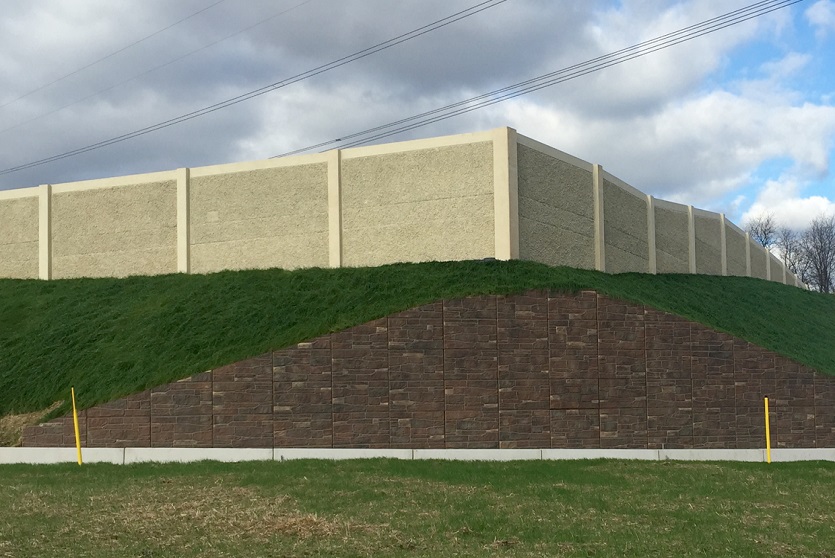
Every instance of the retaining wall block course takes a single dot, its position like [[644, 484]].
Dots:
[[629, 392], [59, 432], [794, 427], [750, 426], [421, 431], [136, 405], [669, 427], [244, 388], [182, 431], [795, 384], [623, 428], [245, 430], [525, 393], [824, 390], [573, 336], [574, 393], [475, 363], [667, 392], [119, 431], [471, 428], [360, 430], [472, 308], [714, 427], [306, 430], [575, 428], [524, 428], [192, 396], [825, 427]]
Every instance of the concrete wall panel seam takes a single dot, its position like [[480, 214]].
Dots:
[[183, 222], [45, 233], [335, 208]]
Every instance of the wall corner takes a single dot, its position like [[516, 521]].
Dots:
[[505, 194], [653, 255], [599, 221]]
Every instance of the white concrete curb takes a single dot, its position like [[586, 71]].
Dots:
[[123, 456]]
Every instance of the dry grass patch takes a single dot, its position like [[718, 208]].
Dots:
[[12, 425]]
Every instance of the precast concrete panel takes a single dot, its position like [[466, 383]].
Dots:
[[556, 210], [264, 218], [735, 241], [19, 238], [422, 205], [671, 237], [708, 242], [759, 261], [116, 231], [776, 268], [625, 229]]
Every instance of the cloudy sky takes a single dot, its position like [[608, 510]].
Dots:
[[740, 121]]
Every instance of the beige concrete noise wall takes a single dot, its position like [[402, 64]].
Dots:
[[19, 235], [258, 218], [625, 227], [106, 229], [775, 269], [759, 260], [671, 237], [429, 201], [707, 227], [556, 206], [737, 255]]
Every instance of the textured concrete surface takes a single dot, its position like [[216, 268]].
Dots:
[[19, 238], [671, 240], [115, 232], [735, 241], [625, 217], [759, 261], [429, 204], [708, 242], [260, 219], [556, 211]]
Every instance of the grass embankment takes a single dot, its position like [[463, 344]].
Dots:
[[390, 508], [113, 337]]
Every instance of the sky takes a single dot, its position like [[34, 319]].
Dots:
[[740, 121]]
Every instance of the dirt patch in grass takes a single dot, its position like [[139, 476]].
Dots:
[[11, 426]]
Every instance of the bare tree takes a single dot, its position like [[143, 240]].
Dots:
[[791, 250], [818, 247], [763, 229]]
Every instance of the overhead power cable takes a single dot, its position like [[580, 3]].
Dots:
[[443, 22], [112, 54], [155, 68], [547, 80]]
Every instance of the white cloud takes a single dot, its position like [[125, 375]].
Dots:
[[821, 15], [784, 199]]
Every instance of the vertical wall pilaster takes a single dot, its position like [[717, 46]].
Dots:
[[183, 221], [599, 214], [45, 232], [767, 264], [335, 208], [748, 254], [723, 238], [691, 239], [653, 261], [506, 194]]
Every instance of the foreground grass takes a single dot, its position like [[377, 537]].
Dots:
[[113, 337], [392, 508]]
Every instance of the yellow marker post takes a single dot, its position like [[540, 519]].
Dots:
[[767, 434], [75, 423]]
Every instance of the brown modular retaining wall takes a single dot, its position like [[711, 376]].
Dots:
[[537, 370]]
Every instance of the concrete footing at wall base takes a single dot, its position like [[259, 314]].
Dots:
[[126, 456]]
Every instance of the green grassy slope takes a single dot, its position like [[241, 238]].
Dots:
[[112, 337]]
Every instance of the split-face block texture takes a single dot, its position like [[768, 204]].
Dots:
[[538, 370]]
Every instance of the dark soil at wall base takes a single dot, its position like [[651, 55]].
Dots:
[[538, 370]]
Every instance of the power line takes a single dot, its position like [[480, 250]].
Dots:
[[112, 54], [443, 22], [547, 80], [155, 68]]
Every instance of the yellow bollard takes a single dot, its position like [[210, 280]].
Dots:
[[75, 423], [767, 434]]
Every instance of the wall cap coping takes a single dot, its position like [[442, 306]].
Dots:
[[554, 152]]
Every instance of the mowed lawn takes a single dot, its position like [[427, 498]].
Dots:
[[419, 508]]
